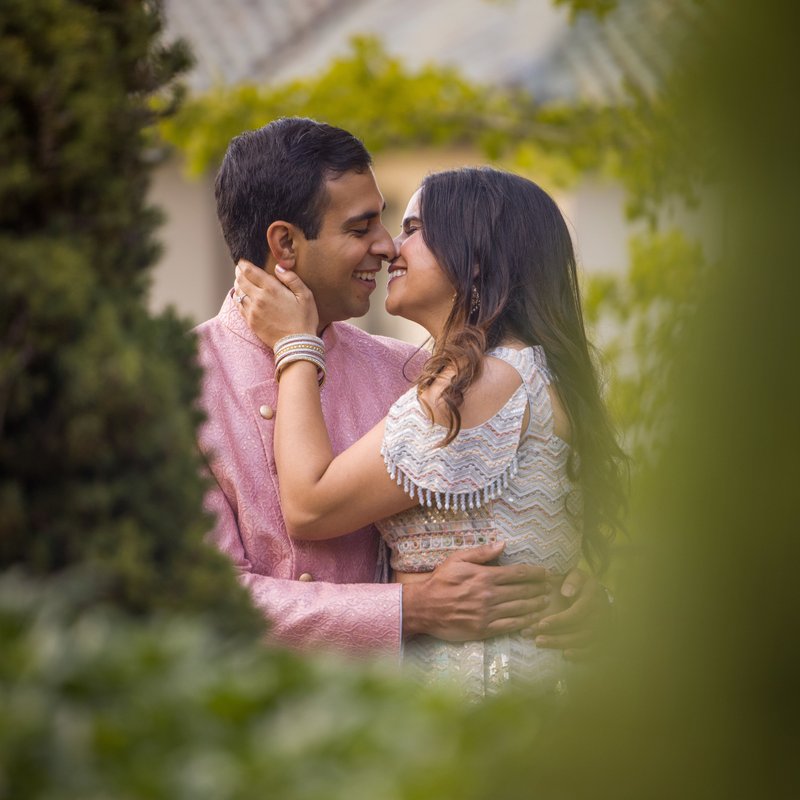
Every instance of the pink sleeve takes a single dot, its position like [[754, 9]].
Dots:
[[351, 618]]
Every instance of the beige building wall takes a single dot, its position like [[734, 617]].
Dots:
[[194, 270]]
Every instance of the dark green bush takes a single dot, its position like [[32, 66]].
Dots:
[[98, 463]]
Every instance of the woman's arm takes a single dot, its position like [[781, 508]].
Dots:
[[321, 496]]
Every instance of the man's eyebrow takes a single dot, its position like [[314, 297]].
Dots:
[[367, 215]]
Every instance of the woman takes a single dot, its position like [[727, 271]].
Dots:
[[504, 437]]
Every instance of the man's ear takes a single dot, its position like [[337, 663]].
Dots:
[[281, 241]]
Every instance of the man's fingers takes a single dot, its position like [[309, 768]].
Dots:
[[520, 592], [512, 624], [573, 582], [572, 617], [522, 610], [478, 555], [565, 621], [526, 590], [522, 573]]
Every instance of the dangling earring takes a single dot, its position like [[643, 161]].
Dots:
[[475, 303]]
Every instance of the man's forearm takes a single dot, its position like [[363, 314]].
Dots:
[[352, 618]]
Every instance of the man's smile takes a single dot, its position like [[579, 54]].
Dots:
[[367, 277]]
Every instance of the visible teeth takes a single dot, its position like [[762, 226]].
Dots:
[[364, 276], [396, 273]]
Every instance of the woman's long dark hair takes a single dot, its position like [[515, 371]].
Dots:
[[502, 235]]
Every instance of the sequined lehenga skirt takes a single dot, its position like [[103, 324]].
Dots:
[[483, 668]]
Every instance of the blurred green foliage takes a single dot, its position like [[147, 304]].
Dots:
[[367, 92], [99, 705], [705, 703], [98, 463], [640, 319]]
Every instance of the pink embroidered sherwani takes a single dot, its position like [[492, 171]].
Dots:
[[313, 593]]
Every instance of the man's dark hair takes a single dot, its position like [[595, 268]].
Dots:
[[279, 172]]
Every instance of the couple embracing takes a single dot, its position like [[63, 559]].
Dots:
[[375, 497]]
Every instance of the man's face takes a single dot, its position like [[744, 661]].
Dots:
[[340, 265]]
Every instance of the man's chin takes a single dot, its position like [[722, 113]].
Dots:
[[355, 311], [360, 312]]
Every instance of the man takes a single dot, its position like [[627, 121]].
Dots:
[[304, 192]]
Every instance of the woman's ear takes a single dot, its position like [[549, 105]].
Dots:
[[281, 243]]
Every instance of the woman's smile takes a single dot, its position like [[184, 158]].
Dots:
[[396, 272]]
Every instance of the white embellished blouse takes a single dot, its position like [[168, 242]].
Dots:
[[493, 482]]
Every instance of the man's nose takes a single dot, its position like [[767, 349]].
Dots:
[[384, 245]]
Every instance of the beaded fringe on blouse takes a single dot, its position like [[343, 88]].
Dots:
[[448, 499]]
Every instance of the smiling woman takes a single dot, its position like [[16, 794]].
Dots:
[[419, 289]]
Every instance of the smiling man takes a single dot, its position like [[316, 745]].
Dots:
[[303, 193]]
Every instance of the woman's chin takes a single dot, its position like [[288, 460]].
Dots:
[[399, 309], [392, 308]]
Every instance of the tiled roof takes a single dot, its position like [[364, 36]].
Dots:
[[233, 39], [525, 42], [594, 59]]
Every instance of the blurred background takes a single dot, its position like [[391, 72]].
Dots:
[[401, 62]]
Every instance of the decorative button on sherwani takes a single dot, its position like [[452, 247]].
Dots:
[[267, 412], [306, 577]]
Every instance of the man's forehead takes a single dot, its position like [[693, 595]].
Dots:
[[353, 196]]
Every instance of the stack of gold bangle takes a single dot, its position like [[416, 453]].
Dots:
[[300, 347]]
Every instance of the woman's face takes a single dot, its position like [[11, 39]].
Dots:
[[419, 289]]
